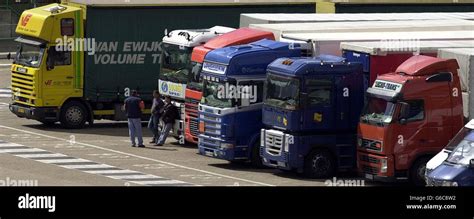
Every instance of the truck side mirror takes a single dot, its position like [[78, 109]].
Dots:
[[471, 163], [404, 110]]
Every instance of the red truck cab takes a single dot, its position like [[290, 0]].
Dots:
[[410, 115], [193, 91]]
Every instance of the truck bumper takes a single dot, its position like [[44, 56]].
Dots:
[[278, 162], [231, 154], [48, 114]]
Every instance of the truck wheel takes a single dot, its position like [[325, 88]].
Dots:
[[319, 164], [417, 172], [73, 115], [255, 158]]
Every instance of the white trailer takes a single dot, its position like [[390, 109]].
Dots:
[[273, 18], [465, 58], [380, 57], [329, 43], [366, 26]]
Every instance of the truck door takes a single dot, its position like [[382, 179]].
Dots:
[[320, 99], [342, 98], [59, 79]]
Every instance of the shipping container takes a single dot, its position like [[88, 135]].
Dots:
[[465, 58], [366, 26], [381, 57]]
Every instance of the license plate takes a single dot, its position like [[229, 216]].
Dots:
[[208, 153], [21, 110], [369, 176]]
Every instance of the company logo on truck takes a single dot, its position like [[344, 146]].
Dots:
[[214, 68], [25, 19], [389, 86]]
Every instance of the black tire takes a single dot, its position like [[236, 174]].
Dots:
[[73, 115], [417, 172], [255, 158], [319, 164]]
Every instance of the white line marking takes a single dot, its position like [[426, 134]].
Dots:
[[86, 166], [32, 156], [74, 160], [5, 95], [111, 171], [2, 65], [20, 150], [138, 176], [8, 144], [5, 104], [141, 157], [158, 182]]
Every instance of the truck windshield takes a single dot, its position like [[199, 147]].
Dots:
[[212, 95], [175, 63], [195, 82], [464, 151], [378, 111], [29, 55], [282, 92]]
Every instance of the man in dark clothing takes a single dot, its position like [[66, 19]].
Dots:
[[170, 114], [133, 107], [156, 111]]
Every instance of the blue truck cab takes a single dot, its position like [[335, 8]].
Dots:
[[230, 112], [310, 113], [458, 168]]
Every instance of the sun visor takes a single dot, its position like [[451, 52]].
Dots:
[[35, 42]]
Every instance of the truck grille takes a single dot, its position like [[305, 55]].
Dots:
[[23, 86], [370, 169], [273, 143], [194, 127], [366, 158], [371, 145]]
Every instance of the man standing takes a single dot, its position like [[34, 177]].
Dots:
[[170, 114], [133, 107], [156, 111]]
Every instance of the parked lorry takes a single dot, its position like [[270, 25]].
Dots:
[[380, 57], [246, 19], [409, 116], [329, 43], [176, 68], [465, 59], [78, 60], [366, 26], [458, 168], [193, 93], [230, 112], [311, 111]]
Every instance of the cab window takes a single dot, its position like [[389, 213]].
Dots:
[[67, 27], [319, 91], [58, 58], [416, 110]]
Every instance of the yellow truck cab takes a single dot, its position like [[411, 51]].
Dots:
[[44, 78]]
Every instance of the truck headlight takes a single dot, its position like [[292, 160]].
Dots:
[[227, 145], [449, 183], [262, 138], [384, 165]]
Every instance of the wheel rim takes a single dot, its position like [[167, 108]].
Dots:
[[320, 164], [74, 115]]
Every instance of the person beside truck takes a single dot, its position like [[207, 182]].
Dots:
[[170, 114], [156, 111], [133, 107]]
